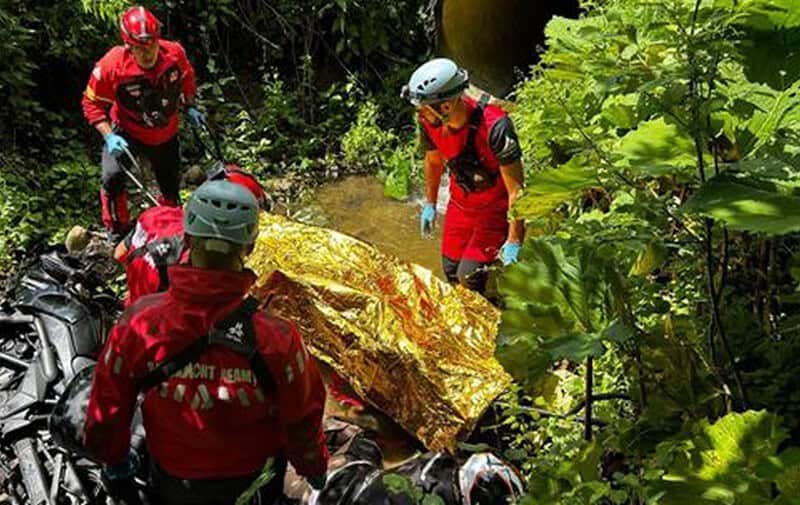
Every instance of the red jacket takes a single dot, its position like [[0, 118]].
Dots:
[[141, 269], [450, 144], [210, 420], [142, 102]]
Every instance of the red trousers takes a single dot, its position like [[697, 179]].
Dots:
[[474, 235]]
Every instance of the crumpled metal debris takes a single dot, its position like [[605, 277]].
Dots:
[[413, 346]]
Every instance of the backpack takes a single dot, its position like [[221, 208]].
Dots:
[[470, 172]]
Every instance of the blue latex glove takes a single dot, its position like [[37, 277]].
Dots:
[[317, 482], [509, 253], [427, 219], [123, 470], [198, 118], [115, 144]]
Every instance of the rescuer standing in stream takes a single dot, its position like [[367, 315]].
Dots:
[[477, 143]]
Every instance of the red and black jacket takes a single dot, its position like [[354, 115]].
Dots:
[[142, 102], [211, 419]]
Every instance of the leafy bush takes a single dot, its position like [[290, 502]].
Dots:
[[366, 143], [662, 195], [39, 203]]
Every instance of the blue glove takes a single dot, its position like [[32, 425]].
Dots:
[[509, 253], [123, 470], [198, 118], [115, 144], [426, 219], [317, 482]]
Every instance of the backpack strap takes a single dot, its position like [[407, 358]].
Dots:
[[475, 119], [235, 332], [164, 252]]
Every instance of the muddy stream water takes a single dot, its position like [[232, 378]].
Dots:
[[356, 206]]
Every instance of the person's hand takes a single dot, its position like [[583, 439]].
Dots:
[[123, 470], [317, 482], [427, 219], [198, 118], [509, 253], [115, 144]]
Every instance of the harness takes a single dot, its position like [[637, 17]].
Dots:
[[470, 172], [154, 102], [164, 252], [235, 332]]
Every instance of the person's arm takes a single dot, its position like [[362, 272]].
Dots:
[[514, 178], [505, 145], [301, 404], [99, 97], [112, 400], [188, 81], [434, 167]]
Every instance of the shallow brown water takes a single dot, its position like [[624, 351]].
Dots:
[[356, 206]]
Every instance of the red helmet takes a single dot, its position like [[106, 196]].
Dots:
[[139, 27], [232, 173]]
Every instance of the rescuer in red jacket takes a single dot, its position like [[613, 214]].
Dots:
[[133, 98], [212, 425], [156, 241], [477, 144]]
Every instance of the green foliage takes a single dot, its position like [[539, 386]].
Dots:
[[658, 148], [732, 461], [401, 173], [41, 203], [366, 143], [548, 189], [106, 10], [745, 204], [400, 484], [563, 301], [661, 197], [266, 475]]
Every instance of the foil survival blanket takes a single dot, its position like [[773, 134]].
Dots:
[[418, 349]]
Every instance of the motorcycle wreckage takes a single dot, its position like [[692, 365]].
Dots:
[[52, 326]]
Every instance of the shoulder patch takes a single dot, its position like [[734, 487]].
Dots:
[[97, 73], [510, 148]]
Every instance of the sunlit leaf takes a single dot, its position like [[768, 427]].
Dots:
[[548, 189], [747, 204], [658, 148]]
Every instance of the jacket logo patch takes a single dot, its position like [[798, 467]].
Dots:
[[236, 333]]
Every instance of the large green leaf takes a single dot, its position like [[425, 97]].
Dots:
[[560, 304], [658, 148], [747, 203], [722, 460], [548, 189], [762, 111], [769, 31]]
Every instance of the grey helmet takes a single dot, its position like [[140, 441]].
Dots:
[[437, 80], [224, 211]]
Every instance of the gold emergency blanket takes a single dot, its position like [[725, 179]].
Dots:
[[416, 348]]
